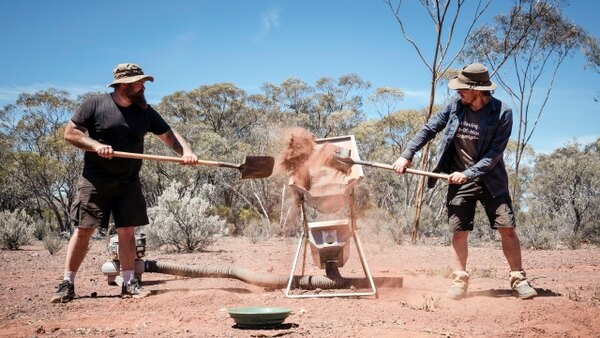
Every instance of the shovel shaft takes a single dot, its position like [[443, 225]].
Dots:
[[161, 158], [408, 170]]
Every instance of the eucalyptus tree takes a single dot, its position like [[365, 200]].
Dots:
[[591, 50], [12, 195], [291, 101], [296, 96], [565, 191], [44, 164], [445, 17], [337, 105], [331, 107]]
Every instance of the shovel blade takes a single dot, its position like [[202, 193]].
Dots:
[[257, 167]]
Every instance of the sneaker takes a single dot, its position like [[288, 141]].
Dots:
[[520, 285], [134, 290], [65, 292], [460, 283]]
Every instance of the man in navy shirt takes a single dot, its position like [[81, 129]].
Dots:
[[102, 124], [476, 129]]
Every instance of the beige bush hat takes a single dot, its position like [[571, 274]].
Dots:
[[129, 73], [474, 76]]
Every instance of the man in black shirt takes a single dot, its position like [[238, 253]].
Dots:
[[476, 128], [102, 124]]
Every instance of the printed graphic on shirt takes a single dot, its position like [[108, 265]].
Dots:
[[465, 141], [468, 131]]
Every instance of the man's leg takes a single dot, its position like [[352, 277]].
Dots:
[[511, 248], [76, 251], [127, 255], [460, 250], [126, 248], [460, 277], [461, 205], [512, 251]]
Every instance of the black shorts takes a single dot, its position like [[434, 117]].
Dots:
[[462, 200], [95, 202]]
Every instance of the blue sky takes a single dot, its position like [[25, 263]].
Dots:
[[74, 45]]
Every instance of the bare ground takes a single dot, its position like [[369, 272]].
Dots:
[[568, 283]]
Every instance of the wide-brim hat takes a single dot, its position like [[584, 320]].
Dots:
[[129, 73], [474, 76]]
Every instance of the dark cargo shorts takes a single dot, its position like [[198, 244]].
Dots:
[[462, 200], [95, 202]]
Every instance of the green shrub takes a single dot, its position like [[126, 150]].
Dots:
[[181, 221], [40, 229], [53, 242], [16, 229]]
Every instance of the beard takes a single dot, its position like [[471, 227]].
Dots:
[[137, 97]]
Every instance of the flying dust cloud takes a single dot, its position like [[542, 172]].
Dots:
[[301, 158]]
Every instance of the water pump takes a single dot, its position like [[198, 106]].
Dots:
[[111, 267]]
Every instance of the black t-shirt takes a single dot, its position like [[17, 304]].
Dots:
[[123, 128], [466, 140]]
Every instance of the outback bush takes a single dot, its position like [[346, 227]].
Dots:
[[258, 230], [53, 242], [16, 229], [379, 222], [537, 235], [40, 230], [181, 222], [247, 218]]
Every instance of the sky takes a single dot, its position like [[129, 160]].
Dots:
[[74, 45]]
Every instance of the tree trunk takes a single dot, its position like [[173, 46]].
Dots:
[[419, 197], [424, 159]]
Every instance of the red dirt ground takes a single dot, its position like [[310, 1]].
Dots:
[[568, 282]]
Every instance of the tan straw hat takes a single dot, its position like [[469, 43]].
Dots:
[[474, 76], [129, 73]]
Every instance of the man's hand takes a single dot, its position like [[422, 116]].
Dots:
[[457, 178], [189, 158], [104, 150], [401, 164]]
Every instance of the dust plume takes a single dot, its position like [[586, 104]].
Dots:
[[301, 159]]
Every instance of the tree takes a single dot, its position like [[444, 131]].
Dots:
[[566, 187], [337, 106], [12, 195], [445, 15], [591, 50], [44, 164]]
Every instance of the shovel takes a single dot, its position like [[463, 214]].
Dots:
[[253, 167], [342, 157]]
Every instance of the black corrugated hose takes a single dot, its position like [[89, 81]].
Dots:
[[334, 281]]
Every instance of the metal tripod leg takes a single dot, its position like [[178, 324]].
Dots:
[[359, 248], [304, 243]]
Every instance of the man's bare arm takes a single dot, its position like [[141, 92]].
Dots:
[[176, 142], [78, 137]]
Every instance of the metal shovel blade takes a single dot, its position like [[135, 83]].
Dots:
[[257, 167]]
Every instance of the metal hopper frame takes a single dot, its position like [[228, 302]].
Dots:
[[327, 202]]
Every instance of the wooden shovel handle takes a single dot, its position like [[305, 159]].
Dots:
[[161, 158], [408, 170], [427, 173]]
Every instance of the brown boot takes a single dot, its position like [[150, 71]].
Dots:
[[520, 285], [460, 283]]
